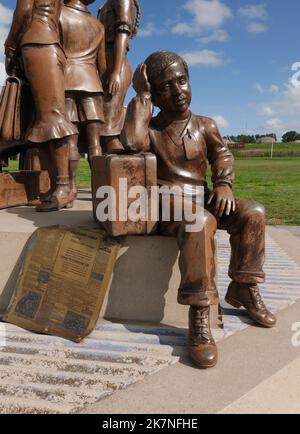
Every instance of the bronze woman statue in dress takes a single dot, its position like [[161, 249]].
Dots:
[[34, 37], [121, 19]]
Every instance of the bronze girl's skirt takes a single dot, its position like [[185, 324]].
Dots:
[[44, 69], [114, 110]]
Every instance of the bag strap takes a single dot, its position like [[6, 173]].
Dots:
[[4, 97], [17, 116]]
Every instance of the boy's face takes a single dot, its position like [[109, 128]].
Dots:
[[172, 91]]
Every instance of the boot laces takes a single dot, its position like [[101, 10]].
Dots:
[[201, 324], [258, 299]]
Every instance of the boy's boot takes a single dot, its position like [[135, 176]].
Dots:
[[248, 296], [201, 345]]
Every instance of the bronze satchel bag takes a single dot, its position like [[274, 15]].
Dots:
[[10, 110]]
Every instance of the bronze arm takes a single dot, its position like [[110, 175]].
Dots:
[[219, 156], [135, 134], [21, 19]]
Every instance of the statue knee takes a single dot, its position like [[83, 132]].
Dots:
[[199, 221], [255, 211], [259, 210]]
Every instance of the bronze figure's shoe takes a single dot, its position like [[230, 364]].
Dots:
[[201, 344], [34, 202], [56, 204], [61, 198], [248, 296]]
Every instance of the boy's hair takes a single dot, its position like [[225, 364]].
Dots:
[[159, 61]]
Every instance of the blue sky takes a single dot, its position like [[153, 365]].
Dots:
[[240, 55]]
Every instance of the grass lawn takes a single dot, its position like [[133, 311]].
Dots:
[[263, 150], [274, 183], [291, 146]]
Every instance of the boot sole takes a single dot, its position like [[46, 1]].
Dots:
[[238, 305], [67, 206], [197, 365]]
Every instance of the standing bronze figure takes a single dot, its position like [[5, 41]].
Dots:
[[83, 41], [183, 142], [120, 19], [34, 37]]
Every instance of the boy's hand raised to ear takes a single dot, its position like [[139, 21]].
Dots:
[[224, 200], [140, 81]]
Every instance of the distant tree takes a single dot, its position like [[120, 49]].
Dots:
[[290, 136], [243, 138]]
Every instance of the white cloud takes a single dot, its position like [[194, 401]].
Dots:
[[284, 110], [258, 11], [216, 36], [274, 89], [5, 15], [259, 88], [147, 31], [257, 28], [209, 13], [5, 21], [206, 15], [266, 111], [288, 102], [189, 29], [204, 58], [275, 124], [221, 121], [2, 74], [255, 13]]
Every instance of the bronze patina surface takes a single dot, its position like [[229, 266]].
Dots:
[[120, 19], [183, 142], [33, 49]]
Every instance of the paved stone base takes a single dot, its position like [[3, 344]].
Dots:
[[43, 374]]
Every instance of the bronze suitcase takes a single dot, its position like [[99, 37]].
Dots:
[[22, 187], [134, 171]]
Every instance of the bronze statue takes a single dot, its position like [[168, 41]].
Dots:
[[83, 41], [121, 24], [34, 36], [183, 142]]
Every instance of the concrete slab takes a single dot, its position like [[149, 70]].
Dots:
[[286, 238], [46, 374], [246, 360], [294, 230], [279, 394], [118, 355], [280, 290]]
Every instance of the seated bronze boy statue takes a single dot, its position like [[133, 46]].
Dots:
[[183, 142]]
